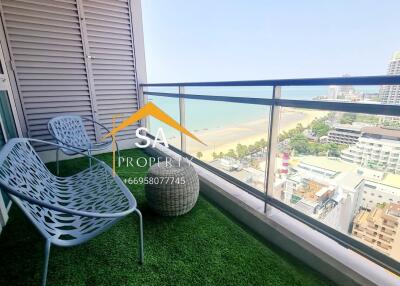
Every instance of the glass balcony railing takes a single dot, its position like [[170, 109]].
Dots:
[[287, 143]]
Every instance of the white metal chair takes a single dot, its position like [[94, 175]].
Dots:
[[67, 211], [69, 131]]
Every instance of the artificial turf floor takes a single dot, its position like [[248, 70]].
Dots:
[[203, 247]]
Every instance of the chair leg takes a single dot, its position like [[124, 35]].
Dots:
[[90, 159], [46, 262], [57, 162], [141, 252], [116, 144]]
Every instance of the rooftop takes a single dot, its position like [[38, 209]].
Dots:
[[327, 163], [387, 132], [350, 177], [396, 56], [389, 179], [352, 127], [378, 214], [203, 247]]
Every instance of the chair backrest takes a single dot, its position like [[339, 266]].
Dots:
[[69, 130], [24, 172]]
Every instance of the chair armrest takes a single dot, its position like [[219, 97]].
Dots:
[[67, 146], [85, 118]]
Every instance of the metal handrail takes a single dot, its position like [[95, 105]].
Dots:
[[367, 108], [360, 80]]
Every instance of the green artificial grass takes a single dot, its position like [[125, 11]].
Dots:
[[203, 247]]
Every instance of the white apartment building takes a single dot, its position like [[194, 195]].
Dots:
[[390, 94], [374, 193], [378, 148], [345, 134]]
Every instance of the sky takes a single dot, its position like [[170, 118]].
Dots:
[[193, 40]]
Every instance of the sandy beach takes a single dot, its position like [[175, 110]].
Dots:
[[225, 138]]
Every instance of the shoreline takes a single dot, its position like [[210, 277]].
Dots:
[[227, 137]]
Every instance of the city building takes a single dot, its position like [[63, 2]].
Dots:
[[333, 92], [310, 135], [309, 196], [355, 187], [377, 148], [375, 193], [346, 90], [379, 229], [323, 139], [390, 94], [345, 134]]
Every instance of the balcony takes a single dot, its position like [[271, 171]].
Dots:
[[187, 100], [278, 200], [388, 231], [203, 247], [248, 183]]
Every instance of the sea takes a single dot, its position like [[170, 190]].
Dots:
[[205, 115]]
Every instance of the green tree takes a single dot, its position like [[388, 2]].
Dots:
[[252, 148], [366, 118], [299, 143], [263, 143], [283, 136], [231, 154], [333, 150], [199, 155], [257, 145], [320, 128], [215, 155], [348, 118], [299, 128], [317, 149], [242, 151]]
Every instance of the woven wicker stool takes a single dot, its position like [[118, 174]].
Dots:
[[172, 189]]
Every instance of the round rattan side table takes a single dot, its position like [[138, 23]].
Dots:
[[172, 189]]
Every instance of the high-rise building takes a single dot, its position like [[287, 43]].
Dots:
[[377, 148], [333, 92], [390, 94], [346, 90]]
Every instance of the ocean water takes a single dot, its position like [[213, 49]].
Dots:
[[203, 115]]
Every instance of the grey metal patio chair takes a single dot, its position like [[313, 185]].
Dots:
[[67, 211], [69, 131]]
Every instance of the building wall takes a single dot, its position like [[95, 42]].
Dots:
[[378, 229], [74, 57], [341, 136], [375, 193], [385, 154]]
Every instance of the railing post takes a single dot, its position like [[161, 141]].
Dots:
[[272, 145], [182, 118], [145, 122]]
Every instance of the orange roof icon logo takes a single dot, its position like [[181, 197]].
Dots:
[[151, 109]]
